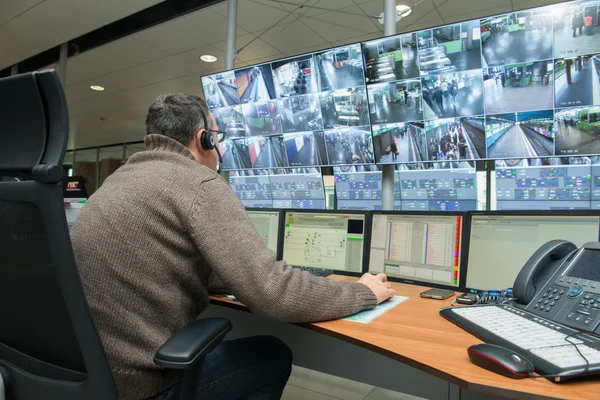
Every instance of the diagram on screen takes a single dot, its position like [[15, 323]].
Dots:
[[315, 247]]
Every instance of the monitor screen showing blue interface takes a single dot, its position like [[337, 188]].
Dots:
[[325, 240], [357, 188], [266, 224]]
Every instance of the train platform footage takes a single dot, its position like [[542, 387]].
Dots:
[[235, 154], [349, 146], [578, 131], [339, 68], [345, 107], [576, 28], [450, 48], [301, 113], [306, 149], [255, 84], [267, 152], [262, 118], [577, 81], [455, 139], [391, 58], [399, 143], [220, 90], [395, 101], [517, 37], [230, 120], [519, 87], [525, 134], [295, 76], [452, 95]]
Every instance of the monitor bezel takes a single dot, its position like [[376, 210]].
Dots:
[[522, 213], [464, 247], [366, 241], [279, 252]]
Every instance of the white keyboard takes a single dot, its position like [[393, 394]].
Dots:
[[542, 341]]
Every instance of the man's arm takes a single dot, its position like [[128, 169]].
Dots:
[[229, 243]]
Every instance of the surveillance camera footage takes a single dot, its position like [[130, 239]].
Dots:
[[350, 146], [262, 118], [346, 107], [450, 48], [526, 134], [267, 152], [577, 81], [220, 90], [306, 149], [295, 76], [235, 154], [452, 95], [339, 68], [576, 29], [400, 142], [391, 58], [230, 120], [578, 131], [518, 87], [255, 84], [395, 101], [301, 113], [456, 139], [518, 37]]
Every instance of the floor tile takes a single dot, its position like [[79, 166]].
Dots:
[[384, 394], [329, 384], [292, 392]]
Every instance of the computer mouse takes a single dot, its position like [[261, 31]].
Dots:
[[500, 360]]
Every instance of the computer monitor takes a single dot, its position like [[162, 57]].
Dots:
[[74, 189], [323, 239], [417, 247], [266, 223], [501, 242]]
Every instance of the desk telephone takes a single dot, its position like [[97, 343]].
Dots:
[[562, 283]]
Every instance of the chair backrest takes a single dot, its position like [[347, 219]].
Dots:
[[48, 343]]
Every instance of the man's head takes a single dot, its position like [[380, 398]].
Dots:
[[185, 117]]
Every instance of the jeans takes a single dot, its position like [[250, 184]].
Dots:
[[254, 368]]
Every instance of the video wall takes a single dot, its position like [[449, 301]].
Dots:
[[519, 85]]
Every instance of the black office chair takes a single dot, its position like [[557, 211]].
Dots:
[[49, 347]]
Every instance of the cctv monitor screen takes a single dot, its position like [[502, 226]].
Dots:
[[329, 240], [501, 243], [418, 248], [266, 224]]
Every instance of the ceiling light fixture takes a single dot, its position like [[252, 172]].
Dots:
[[404, 10], [208, 58], [97, 88]]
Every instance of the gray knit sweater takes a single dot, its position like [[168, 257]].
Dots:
[[153, 239]]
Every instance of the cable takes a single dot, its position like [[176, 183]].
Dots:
[[567, 339]]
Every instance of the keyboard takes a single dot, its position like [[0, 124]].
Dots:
[[542, 341], [315, 271]]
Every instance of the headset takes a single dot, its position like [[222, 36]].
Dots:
[[207, 139]]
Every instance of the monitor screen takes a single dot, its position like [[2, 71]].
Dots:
[[501, 243], [417, 247], [74, 188], [253, 188], [266, 224], [297, 188], [325, 240], [357, 189]]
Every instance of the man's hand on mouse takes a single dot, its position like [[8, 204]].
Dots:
[[379, 285]]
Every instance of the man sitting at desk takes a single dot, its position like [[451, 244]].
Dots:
[[160, 234]]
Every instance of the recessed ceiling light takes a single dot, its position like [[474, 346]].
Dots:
[[208, 58], [97, 88], [404, 10]]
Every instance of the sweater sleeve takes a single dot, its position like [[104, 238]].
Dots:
[[225, 236]]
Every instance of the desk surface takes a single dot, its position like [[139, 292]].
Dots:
[[415, 334]]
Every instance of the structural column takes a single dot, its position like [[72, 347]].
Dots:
[[14, 70], [230, 53], [62, 64], [387, 178]]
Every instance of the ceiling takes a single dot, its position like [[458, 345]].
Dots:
[[165, 58]]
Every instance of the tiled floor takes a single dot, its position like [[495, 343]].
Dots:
[[308, 384]]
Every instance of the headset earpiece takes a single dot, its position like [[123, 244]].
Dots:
[[207, 140]]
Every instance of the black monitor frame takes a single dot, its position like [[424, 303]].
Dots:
[[464, 246], [366, 241], [524, 213], [279, 251]]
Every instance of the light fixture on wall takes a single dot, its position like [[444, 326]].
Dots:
[[208, 58], [404, 10], [97, 88]]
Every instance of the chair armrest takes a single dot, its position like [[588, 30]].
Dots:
[[192, 343]]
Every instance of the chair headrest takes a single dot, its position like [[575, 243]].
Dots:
[[34, 125]]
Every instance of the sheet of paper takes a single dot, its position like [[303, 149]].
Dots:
[[367, 316]]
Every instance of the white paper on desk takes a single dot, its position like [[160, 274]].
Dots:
[[366, 317]]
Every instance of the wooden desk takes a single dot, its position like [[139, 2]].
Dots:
[[415, 334]]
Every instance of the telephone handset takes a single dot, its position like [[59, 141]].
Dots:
[[562, 283], [538, 269]]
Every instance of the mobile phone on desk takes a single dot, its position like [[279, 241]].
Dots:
[[438, 294]]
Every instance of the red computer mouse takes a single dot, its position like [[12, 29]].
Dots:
[[500, 360]]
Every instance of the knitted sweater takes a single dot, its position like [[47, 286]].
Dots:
[[150, 243]]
